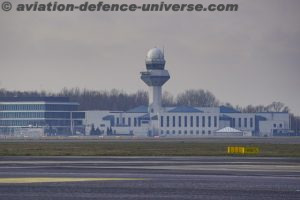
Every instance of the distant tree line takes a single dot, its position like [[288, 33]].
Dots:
[[272, 107], [121, 101]]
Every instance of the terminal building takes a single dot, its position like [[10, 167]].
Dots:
[[183, 121], [40, 116]]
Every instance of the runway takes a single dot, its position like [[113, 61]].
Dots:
[[149, 178]]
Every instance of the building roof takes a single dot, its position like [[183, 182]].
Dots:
[[30, 99], [260, 118], [228, 130], [226, 109], [108, 117], [139, 109], [155, 117], [145, 117], [187, 109], [225, 117]]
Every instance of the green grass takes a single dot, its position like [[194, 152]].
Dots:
[[138, 148]]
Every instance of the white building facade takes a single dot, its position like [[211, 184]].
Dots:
[[186, 121], [183, 121]]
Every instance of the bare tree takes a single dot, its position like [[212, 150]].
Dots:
[[168, 99], [197, 98], [276, 106]]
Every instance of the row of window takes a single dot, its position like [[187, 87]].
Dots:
[[168, 121], [185, 132], [59, 107], [39, 122], [34, 115], [60, 115], [245, 122], [275, 125], [136, 121]]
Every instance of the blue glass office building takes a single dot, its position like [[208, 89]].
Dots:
[[55, 115]]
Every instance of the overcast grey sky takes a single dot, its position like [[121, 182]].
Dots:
[[247, 57]]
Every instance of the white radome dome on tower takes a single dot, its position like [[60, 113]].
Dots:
[[155, 54]]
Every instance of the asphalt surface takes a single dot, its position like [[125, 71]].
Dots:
[[150, 178], [241, 140]]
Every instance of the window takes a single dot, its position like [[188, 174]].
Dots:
[[191, 121], [168, 132], [203, 132], [245, 122], [162, 132], [168, 121], [174, 121], [161, 121], [209, 132], [197, 132], [274, 125], [251, 122], [185, 121], [179, 121], [215, 121], [203, 121], [233, 122], [209, 121], [280, 125], [240, 122], [179, 132], [197, 121], [173, 131], [118, 121], [191, 132], [129, 121], [123, 121], [135, 122], [185, 132]]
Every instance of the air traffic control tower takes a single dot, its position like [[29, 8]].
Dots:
[[155, 77]]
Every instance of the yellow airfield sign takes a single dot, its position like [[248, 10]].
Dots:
[[242, 150]]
